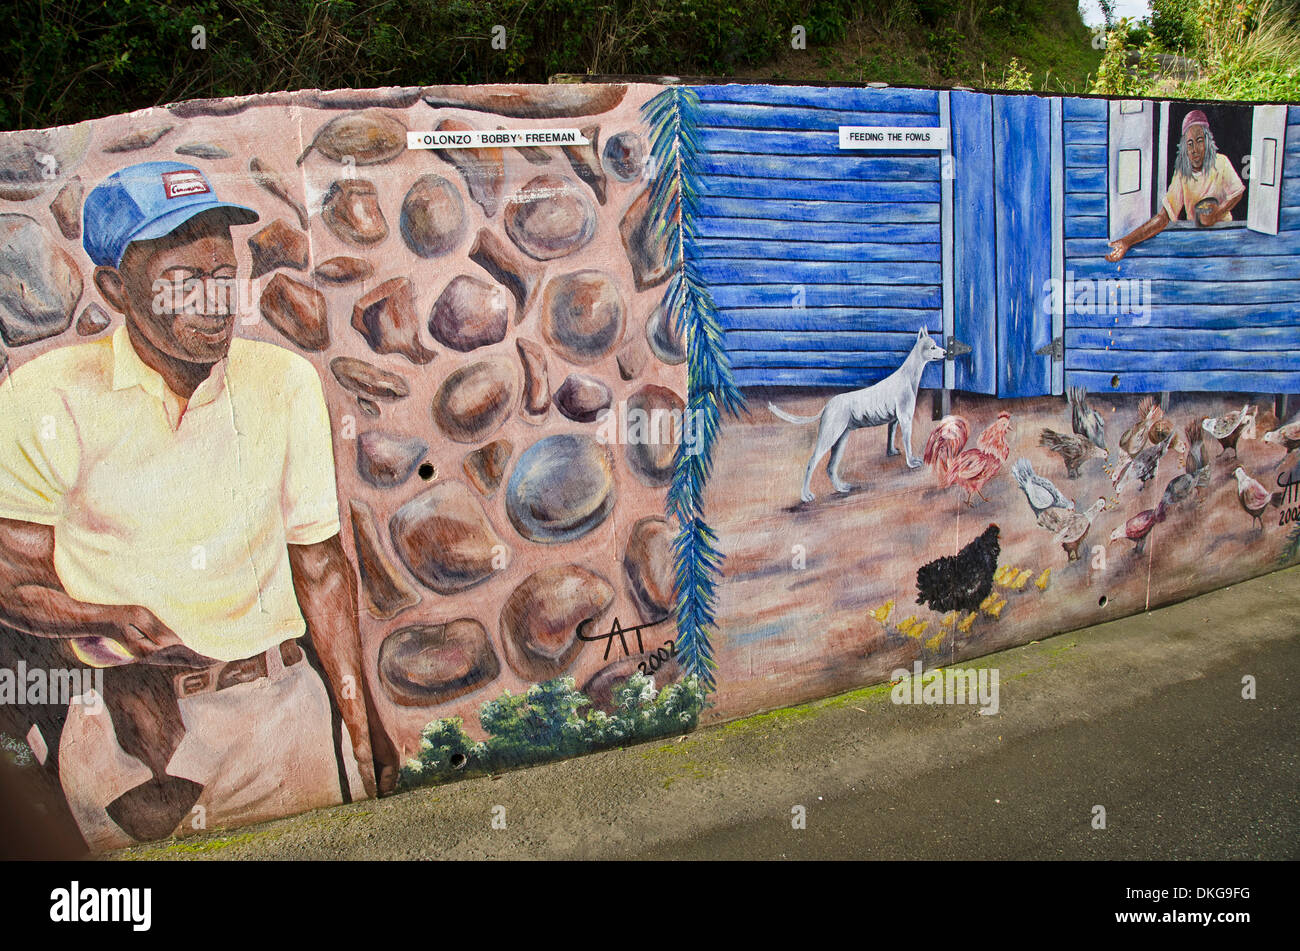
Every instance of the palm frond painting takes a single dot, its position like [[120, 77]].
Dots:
[[672, 117]]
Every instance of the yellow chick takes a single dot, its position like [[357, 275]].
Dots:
[[919, 630], [964, 626], [989, 600], [1003, 573], [1043, 579], [949, 619], [934, 642], [995, 610], [1021, 579], [905, 626], [882, 613]]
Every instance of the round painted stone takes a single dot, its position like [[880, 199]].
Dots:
[[474, 400], [561, 488], [549, 218], [427, 664], [540, 619], [582, 316]]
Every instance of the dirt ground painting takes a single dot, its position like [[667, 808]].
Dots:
[[802, 610]]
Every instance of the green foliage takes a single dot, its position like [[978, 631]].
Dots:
[[1115, 77], [546, 722], [444, 749], [1245, 49], [80, 59], [545, 716], [85, 58], [826, 22], [673, 118], [1015, 77], [1172, 25]]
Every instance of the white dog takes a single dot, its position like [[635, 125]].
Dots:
[[892, 401]]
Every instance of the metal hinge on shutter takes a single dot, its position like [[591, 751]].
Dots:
[[1055, 349], [956, 348]]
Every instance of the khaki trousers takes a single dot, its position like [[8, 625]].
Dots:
[[260, 750]]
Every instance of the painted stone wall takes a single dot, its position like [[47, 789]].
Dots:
[[472, 315]]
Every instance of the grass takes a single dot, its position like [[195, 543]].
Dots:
[[890, 43]]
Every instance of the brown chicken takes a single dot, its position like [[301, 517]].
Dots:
[[1288, 436], [1134, 439], [1073, 449], [970, 469]]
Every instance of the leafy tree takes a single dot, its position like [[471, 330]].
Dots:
[[1172, 24]]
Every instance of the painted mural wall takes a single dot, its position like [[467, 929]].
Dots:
[[359, 440]]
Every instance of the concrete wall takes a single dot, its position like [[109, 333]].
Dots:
[[523, 568]]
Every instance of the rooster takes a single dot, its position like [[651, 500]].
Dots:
[[971, 469], [961, 581], [1195, 462]]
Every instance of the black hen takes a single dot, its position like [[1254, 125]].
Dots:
[[962, 581]]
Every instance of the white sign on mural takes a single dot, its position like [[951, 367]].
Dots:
[[893, 138], [496, 138]]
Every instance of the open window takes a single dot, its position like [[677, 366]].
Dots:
[[1264, 182], [1132, 138], [1243, 153]]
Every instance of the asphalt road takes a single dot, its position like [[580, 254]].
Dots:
[[1143, 716], [1189, 772]]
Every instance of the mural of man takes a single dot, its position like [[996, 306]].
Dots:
[[168, 512], [1204, 188]]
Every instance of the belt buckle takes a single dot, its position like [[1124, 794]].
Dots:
[[193, 682]]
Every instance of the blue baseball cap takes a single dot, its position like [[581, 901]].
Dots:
[[146, 201]]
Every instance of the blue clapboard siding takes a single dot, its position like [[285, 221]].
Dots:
[[793, 322], [767, 250], [1225, 304], [823, 264]]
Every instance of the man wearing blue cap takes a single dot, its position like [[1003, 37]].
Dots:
[[168, 512]]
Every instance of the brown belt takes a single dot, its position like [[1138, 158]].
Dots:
[[247, 670]]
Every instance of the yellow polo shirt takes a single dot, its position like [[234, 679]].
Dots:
[[1221, 182], [184, 509]]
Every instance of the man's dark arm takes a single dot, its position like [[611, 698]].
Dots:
[[32, 598], [327, 594]]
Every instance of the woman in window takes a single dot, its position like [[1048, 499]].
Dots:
[[1204, 188]]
